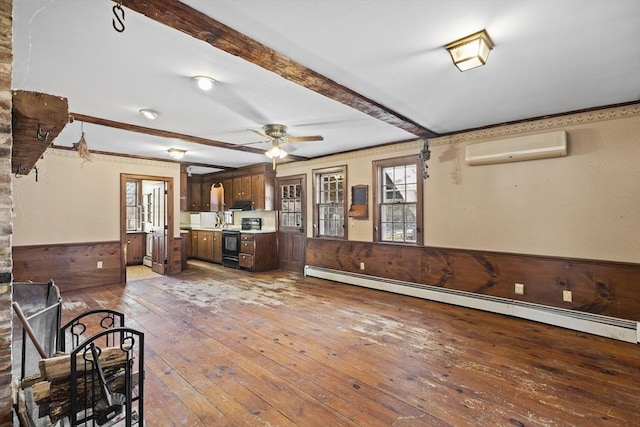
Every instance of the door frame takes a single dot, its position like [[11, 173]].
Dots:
[[278, 206], [168, 181]]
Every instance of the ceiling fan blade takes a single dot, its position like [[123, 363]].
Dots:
[[289, 148], [257, 132], [304, 138], [254, 143], [226, 97]]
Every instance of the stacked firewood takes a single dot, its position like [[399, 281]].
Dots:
[[51, 388]]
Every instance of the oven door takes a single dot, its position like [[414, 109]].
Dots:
[[230, 248]]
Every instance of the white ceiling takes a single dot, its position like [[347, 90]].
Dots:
[[550, 57]]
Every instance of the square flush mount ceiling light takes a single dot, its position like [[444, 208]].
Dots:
[[471, 51], [176, 153]]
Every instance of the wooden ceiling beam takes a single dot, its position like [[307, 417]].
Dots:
[[155, 159], [36, 120], [168, 134], [196, 24]]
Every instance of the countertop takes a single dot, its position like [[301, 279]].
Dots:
[[189, 228], [234, 228]]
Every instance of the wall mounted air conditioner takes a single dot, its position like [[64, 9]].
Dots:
[[530, 147]]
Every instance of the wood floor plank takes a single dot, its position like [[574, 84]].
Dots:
[[286, 338], [226, 347], [239, 404], [196, 403], [271, 338], [576, 373], [253, 372]]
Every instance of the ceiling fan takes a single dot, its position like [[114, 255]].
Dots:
[[278, 136]]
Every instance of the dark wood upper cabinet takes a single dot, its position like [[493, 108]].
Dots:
[[194, 195], [255, 183]]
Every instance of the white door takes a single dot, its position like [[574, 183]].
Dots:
[[159, 229]]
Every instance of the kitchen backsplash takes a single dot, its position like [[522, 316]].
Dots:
[[268, 217], [206, 219]]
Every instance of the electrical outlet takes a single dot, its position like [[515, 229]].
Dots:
[[567, 296], [99, 264], [519, 289], [362, 266]]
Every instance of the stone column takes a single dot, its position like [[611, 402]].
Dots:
[[6, 209]]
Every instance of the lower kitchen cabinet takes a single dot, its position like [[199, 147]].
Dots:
[[205, 248], [217, 246], [136, 243], [188, 244], [202, 244], [258, 251], [193, 245], [185, 242]]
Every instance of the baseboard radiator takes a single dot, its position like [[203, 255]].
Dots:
[[610, 327]]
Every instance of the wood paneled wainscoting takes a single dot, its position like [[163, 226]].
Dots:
[[70, 265], [599, 287], [176, 255]]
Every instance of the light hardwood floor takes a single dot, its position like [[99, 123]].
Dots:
[[231, 348]]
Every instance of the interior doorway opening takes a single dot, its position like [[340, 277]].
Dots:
[[140, 272], [146, 225]]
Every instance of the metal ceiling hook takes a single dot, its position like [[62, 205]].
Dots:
[[118, 8], [20, 171], [41, 136]]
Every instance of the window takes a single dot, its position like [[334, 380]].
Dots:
[[291, 198], [132, 195], [398, 199], [329, 202]]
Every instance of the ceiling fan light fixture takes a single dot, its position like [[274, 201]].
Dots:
[[276, 152], [204, 82], [176, 153], [471, 51], [149, 114]]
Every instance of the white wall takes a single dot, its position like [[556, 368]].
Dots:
[[74, 202], [585, 205]]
